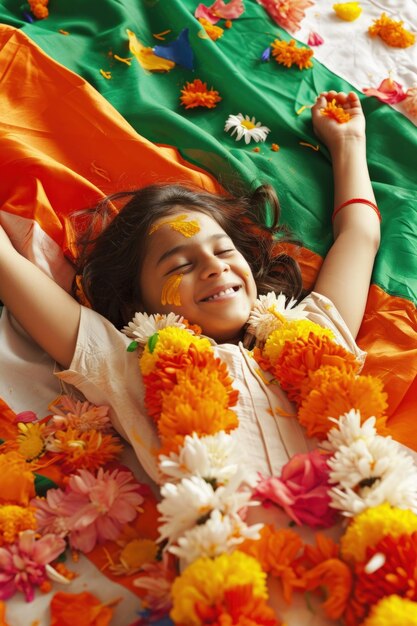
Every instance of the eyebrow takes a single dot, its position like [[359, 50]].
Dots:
[[183, 247]]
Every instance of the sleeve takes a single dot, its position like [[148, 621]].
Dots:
[[105, 373], [322, 311]]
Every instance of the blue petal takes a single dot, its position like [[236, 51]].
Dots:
[[178, 51], [266, 54]]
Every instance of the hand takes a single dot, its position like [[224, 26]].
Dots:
[[333, 134]]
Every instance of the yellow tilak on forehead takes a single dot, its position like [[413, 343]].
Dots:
[[188, 229], [170, 291]]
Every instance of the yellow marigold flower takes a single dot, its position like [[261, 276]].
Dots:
[[196, 94], [198, 403], [16, 479], [335, 112], [392, 610], [331, 392], [291, 331], [348, 11], [392, 32], [85, 450], [214, 32], [14, 519], [171, 342], [31, 440], [369, 527], [205, 581], [286, 53]]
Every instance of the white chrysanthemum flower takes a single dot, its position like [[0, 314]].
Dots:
[[369, 473], [220, 534], [270, 311], [246, 127], [188, 502], [144, 326], [349, 429], [213, 457]]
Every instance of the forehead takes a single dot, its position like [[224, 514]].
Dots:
[[182, 227]]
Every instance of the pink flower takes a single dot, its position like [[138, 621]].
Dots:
[[287, 13], [76, 414], [22, 564], [49, 516], [157, 583], [26, 417], [220, 10], [302, 490], [314, 39], [98, 507], [388, 91]]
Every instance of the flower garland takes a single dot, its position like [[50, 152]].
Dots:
[[356, 473]]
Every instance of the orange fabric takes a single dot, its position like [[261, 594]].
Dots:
[[8, 427], [64, 146]]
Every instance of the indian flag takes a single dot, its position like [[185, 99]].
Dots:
[[86, 110]]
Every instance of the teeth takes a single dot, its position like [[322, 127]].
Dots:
[[221, 293]]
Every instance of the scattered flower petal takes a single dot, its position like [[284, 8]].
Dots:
[[146, 56], [220, 10], [213, 32], [389, 91], [288, 54], [287, 13], [266, 54], [335, 112], [178, 51], [348, 11], [314, 39], [410, 102]]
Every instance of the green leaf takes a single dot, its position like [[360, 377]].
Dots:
[[152, 341], [132, 346], [42, 484]]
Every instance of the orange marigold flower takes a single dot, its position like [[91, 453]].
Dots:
[[16, 480], [196, 94], [392, 32], [330, 392], [198, 403], [214, 32], [336, 112], [164, 378], [39, 8], [238, 606], [335, 576], [286, 53], [397, 576], [172, 342], [85, 450], [304, 355], [14, 519], [277, 551], [83, 609]]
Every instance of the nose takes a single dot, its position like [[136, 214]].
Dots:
[[212, 266]]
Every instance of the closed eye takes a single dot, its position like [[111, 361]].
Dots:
[[227, 251], [179, 268]]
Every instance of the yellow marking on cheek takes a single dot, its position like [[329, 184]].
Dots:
[[170, 291], [188, 229]]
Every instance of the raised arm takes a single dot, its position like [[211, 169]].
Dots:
[[49, 314], [345, 275]]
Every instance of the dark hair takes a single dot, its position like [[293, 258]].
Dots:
[[111, 248]]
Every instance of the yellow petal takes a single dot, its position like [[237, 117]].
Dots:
[[348, 11], [146, 57]]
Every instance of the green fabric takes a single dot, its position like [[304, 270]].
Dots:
[[268, 91]]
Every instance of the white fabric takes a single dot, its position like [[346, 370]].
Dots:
[[106, 373], [351, 53]]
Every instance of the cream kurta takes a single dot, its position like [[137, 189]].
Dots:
[[106, 373]]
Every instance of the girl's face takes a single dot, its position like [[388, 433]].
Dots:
[[192, 268]]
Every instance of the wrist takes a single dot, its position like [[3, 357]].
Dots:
[[346, 145]]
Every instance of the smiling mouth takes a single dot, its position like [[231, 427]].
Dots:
[[223, 294]]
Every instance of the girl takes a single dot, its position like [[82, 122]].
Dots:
[[173, 249], [220, 277]]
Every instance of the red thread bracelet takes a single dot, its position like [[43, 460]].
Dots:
[[357, 201]]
